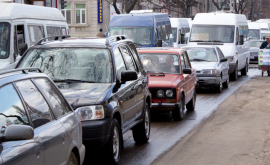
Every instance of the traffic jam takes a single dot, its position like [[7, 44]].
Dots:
[[67, 100]]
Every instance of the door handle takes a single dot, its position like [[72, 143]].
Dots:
[[133, 88], [37, 151], [63, 138]]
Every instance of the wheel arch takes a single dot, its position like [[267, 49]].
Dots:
[[77, 154]]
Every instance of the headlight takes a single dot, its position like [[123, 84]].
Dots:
[[160, 93], [169, 93], [91, 112], [209, 71]]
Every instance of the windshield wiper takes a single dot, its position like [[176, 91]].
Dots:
[[159, 74], [74, 80], [198, 41], [196, 59], [18, 117], [214, 41]]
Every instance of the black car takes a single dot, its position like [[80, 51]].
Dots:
[[104, 81]]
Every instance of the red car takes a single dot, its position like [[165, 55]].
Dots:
[[172, 81]]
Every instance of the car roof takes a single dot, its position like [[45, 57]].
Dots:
[[80, 42], [161, 50], [9, 76]]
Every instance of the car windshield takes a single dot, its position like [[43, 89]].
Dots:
[[265, 34], [76, 64], [202, 54], [4, 39], [139, 35], [212, 33], [256, 44], [156, 63], [174, 34], [254, 34]]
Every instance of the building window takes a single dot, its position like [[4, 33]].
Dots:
[[80, 14], [67, 13]]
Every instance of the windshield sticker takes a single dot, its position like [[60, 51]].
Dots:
[[64, 32], [202, 36]]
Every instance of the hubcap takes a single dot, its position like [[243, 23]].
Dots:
[[115, 143], [146, 122]]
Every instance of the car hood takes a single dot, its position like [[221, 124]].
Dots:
[[203, 65], [162, 81], [79, 94]]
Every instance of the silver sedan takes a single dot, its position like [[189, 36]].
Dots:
[[211, 66]]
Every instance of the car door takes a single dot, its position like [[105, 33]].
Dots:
[[190, 78], [141, 82], [51, 132], [22, 151], [131, 88], [224, 66], [185, 84], [63, 112]]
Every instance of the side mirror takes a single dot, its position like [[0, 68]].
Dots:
[[241, 40], [128, 75], [187, 71], [183, 38], [159, 43], [223, 60], [18, 132], [22, 48]]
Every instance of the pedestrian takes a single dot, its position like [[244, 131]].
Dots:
[[100, 34], [265, 44]]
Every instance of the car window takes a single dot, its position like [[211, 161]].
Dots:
[[119, 63], [136, 56], [35, 103], [59, 105], [220, 53], [183, 62], [36, 33], [128, 58], [186, 61], [11, 104]]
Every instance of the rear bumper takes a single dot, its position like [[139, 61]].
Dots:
[[164, 106]]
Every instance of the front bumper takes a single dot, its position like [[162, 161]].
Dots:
[[208, 80], [96, 132], [82, 154], [164, 106]]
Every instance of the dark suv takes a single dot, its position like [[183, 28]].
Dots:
[[104, 81]]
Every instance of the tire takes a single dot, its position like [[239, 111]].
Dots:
[[113, 146], [191, 104], [72, 159], [219, 88], [226, 84], [178, 113], [141, 132], [244, 70], [234, 74]]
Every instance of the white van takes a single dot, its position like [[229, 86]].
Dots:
[[180, 28], [228, 31], [254, 31], [263, 25], [21, 26]]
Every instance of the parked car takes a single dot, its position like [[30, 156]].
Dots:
[[229, 32], [104, 81], [38, 126], [254, 50], [21, 26], [211, 66], [172, 80]]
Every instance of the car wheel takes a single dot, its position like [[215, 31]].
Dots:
[[178, 113], [234, 75], [226, 84], [113, 144], [219, 88], [72, 159], [191, 104], [141, 132], [244, 70]]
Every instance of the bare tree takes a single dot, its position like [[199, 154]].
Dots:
[[184, 5], [128, 10], [219, 7], [240, 6]]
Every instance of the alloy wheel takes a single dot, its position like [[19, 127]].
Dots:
[[116, 146]]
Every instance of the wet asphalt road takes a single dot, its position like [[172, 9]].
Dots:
[[165, 132]]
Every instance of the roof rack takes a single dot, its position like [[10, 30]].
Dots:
[[20, 69], [55, 38], [115, 39]]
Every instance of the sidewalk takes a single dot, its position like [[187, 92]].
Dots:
[[238, 133]]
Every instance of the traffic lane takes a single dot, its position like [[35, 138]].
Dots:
[[165, 132]]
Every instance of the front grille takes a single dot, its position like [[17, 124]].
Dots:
[[254, 53], [154, 93]]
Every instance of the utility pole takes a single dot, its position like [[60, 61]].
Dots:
[[231, 5]]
